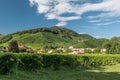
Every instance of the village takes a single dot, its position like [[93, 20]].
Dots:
[[70, 50]]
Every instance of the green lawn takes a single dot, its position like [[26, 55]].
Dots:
[[101, 73]]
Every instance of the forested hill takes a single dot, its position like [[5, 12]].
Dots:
[[50, 38], [56, 30]]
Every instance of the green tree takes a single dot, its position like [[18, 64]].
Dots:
[[13, 47], [97, 50], [113, 45]]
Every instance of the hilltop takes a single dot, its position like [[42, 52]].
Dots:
[[50, 38]]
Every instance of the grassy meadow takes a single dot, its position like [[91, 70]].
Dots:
[[101, 73]]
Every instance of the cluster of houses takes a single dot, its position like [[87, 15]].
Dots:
[[70, 50], [84, 50]]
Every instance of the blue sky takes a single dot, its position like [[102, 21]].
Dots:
[[99, 18]]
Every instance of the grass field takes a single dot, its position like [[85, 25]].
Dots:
[[101, 73]]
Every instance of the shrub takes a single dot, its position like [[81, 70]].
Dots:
[[8, 62], [47, 62], [56, 61], [52, 61], [30, 62], [70, 61]]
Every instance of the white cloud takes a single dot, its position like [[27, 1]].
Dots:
[[61, 24], [108, 23], [94, 21], [53, 9]]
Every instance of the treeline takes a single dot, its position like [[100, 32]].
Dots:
[[55, 30], [10, 63], [113, 45]]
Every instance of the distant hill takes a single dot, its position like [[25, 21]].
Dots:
[[48, 38], [1, 35]]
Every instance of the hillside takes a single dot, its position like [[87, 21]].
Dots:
[[0, 35], [48, 38]]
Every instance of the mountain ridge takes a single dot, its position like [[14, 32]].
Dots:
[[47, 38]]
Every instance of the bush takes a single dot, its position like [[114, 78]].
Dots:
[[52, 61], [56, 61], [8, 62], [70, 61], [30, 62]]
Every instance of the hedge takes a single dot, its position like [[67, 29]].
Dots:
[[34, 62], [30, 62], [8, 62]]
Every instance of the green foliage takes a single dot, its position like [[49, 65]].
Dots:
[[70, 60], [88, 60], [56, 61], [34, 62], [93, 60], [7, 63], [31, 62], [52, 61], [13, 47], [113, 45], [22, 50]]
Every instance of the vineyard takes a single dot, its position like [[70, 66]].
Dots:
[[11, 63]]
